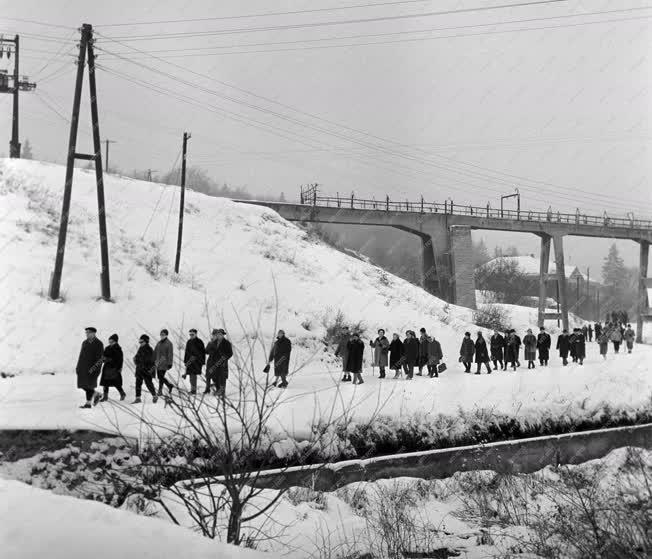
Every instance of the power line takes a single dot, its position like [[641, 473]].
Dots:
[[471, 174], [312, 25], [202, 50], [560, 190], [265, 14]]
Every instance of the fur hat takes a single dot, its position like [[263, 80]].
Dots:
[[219, 331], [144, 338], [113, 337], [91, 329]]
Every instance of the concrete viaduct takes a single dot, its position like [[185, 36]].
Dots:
[[445, 232]]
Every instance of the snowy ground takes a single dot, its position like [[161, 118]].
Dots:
[[471, 514], [37, 522], [232, 255]]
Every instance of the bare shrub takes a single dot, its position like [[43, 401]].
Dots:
[[493, 317], [333, 325]]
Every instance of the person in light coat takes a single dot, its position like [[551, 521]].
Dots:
[[164, 358], [381, 349], [342, 350], [616, 338], [435, 355]]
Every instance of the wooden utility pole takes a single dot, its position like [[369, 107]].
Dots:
[[106, 163], [186, 137], [85, 47], [18, 85]]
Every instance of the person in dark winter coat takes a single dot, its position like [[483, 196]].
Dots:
[[435, 355], [467, 350], [422, 361], [497, 346], [410, 354], [342, 352], [381, 350], [164, 359], [513, 345], [194, 358], [590, 333], [603, 342], [481, 354], [629, 338], [530, 348], [571, 346], [543, 345], [219, 351], [585, 331], [598, 330], [396, 355], [355, 356], [88, 367], [145, 368], [280, 355], [112, 368], [563, 345], [580, 346]]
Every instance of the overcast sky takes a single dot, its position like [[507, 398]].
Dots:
[[556, 103]]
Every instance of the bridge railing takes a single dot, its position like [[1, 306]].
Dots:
[[449, 207]]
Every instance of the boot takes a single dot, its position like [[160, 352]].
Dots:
[[154, 398], [96, 398], [137, 400], [105, 398], [123, 395], [86, 406]]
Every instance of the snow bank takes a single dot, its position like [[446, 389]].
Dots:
[[37, 523]]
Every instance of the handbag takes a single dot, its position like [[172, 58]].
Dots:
[[460, 359], [266, 368], [441, 367]]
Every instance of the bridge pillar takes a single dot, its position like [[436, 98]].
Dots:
[[543, 275], [430, 277], [642, 289], [561, 278], [463, 271]]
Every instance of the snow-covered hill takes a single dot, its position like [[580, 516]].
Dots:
[[244, 268], [235, 259]]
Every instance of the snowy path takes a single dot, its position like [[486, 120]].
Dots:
[[48, 402]]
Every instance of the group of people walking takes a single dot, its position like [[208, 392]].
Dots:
[[105, 364], [404, 357], [401, 356]]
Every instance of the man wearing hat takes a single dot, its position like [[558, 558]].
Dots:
[[89, 365], [194, 358], [219, 352], [145, 368]]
